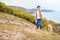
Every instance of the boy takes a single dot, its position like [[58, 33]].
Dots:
[[38, 17]]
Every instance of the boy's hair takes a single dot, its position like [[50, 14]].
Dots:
[[38, 6]]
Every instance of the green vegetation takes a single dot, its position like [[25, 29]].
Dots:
[[45, 23], [57, 28], [20, 13], [16, 12]]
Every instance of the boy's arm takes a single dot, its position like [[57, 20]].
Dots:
[[40, 14], [36, 15]]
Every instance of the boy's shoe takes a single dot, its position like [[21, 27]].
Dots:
[[36, 29]]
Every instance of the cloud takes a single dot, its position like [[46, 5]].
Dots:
[[24, 3], [48, 4], [6, 1]]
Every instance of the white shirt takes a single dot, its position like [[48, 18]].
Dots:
[[38, 15]]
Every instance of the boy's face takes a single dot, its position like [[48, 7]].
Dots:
[[38, 8]]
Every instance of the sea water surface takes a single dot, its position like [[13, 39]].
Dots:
[[54, 16]]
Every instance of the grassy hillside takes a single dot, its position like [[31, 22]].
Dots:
[[16, 12], [15, 28], [57, 28], [16, 24], [21, 14]]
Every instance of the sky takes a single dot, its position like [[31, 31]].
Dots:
[[29, 4]]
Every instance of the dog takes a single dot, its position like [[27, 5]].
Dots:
[[50, 29]]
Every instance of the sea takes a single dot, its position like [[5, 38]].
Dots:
[[53, 16]]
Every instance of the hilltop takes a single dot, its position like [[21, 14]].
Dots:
[[14, 28]]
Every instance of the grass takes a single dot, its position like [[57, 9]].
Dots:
[[41, 35]]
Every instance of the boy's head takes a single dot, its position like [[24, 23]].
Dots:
[[38, 7]]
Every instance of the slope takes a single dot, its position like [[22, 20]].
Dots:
[[14, 28]]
